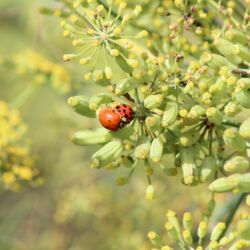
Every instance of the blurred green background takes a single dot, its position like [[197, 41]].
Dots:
[[77, 208]]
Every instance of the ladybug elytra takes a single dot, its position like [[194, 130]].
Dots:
[[117, 117]]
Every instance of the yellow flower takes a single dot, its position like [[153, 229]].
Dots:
[[16, 162]]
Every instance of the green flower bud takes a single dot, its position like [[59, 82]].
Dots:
[[214, 115], [156, 150], [214, 245], [108, 72], [154, 238], [188, 165], [231, 109], [96, 100], [125, 85], [237, 164], [172, 231], [216, 61], [199, 110], [142, 34], [228, 239], [245, 129], [202, 229], [237, 36], [243, 52], [84, 60], [150, 193], [172, 218], [153, 101], [244, 83], [227, 49], [218, 91], [187, 221], [88, 137], [244, 182], [133, 63], [233, 139], [107, 154], [187, 236], [123, 64], [77, 21], [153, 122], [139, 75], [170, 114], [189, 138], [192, 117], [81, 105], [217, 231], [243, 97], [69, 57], [237, 245], [100, 77], [243, 228], [224, 184], [143, 148], [208, 168]]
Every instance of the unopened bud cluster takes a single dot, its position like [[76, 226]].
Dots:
[[186, 94], [184, 234]]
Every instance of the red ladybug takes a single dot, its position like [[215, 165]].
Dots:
[[116, 117]]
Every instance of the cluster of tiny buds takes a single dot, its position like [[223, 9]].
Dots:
[[183, 235]]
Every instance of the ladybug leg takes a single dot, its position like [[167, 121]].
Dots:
[[123, 122]]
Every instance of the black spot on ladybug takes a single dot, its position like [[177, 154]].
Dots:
[[117, 107], [124, 110], [131, 109], [124, 105]]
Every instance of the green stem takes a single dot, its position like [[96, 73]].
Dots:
[[232, 210], [25, 95]]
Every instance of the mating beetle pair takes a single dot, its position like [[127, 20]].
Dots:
[[117, 117]]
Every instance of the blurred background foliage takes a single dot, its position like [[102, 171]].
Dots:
[[76, 208]]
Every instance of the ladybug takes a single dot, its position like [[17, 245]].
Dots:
[[117, 117]]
